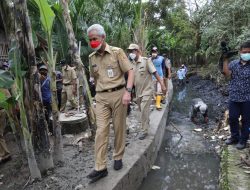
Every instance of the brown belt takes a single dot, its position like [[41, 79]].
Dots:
[[113, 89]]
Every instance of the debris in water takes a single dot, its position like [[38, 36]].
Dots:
[[221, 136], [247, 171], [226, 128], [198, 130], [213, 137], [78, 187], [156, 167], [68, 136]]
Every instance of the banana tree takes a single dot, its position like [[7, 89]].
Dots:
[[74, 54], [30, 101], [47, 18]]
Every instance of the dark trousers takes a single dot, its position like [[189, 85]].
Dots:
[[237, 109], [59, 98], [48, 112]]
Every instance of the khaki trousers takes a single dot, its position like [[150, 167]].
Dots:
[[144, 103], [109, 105], [67, 94], [3, 147]]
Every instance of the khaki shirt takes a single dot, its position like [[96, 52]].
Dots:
[[144, 68], [108, 69], [68, 75]]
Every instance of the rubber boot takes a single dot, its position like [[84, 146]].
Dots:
[[158, 102]]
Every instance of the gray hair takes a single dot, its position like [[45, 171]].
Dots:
[[99, 28]]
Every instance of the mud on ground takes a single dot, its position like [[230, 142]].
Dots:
[[78, 162], [72, 174]]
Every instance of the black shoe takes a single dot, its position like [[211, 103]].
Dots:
[[231, 141], [117, 164], [96, 175], [163, 101], [241, 146]]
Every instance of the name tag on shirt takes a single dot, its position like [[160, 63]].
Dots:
[[110, 73]]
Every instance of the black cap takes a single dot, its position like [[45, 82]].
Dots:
[[63, 62]]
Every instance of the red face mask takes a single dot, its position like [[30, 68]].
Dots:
[[94, 44]]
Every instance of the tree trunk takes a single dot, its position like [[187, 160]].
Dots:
[[74, 53], [32, 92], [57, 128]]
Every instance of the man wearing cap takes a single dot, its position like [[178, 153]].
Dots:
[[144, 69], [108, 65], [159, 64], [198, 106], [69, 85], [46, 94]]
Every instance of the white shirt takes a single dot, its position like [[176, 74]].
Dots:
[[181, 74]]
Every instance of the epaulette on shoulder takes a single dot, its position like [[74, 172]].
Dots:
[[115, 49], [93, 53]]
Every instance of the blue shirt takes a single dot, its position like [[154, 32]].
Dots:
[[239, 87], [159, 63], [45, 89]]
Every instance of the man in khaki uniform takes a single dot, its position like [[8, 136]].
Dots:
[[69, 85], [107, 67], [144, 69], [4, 152]]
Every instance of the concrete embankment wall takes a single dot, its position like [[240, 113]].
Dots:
[[139, 156]]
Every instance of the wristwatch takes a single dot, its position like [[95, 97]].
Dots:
[[129, 90]]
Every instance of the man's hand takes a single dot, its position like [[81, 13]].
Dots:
[[126, 98], [206, 119], [74, 90], [194, 120], [42, 77], [163, 88]]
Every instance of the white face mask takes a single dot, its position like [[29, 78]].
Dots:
[[132, 56], [154, 55]]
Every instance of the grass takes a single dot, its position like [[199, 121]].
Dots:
[[224, 170]]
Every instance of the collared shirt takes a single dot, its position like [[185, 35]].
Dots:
[[143, 68], [239, 87], [45, 90], [108, 69], [68, 75], [159, 64]]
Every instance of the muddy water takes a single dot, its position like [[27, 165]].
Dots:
[[187, 162]]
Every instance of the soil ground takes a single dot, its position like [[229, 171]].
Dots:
[[79, 162]]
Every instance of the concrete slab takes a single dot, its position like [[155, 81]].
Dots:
[[139, 156]]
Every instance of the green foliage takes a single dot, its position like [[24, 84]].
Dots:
[[6, 79], [46, 15]]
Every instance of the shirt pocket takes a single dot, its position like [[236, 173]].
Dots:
[[142, 70], [95, 70], [114, 68]]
